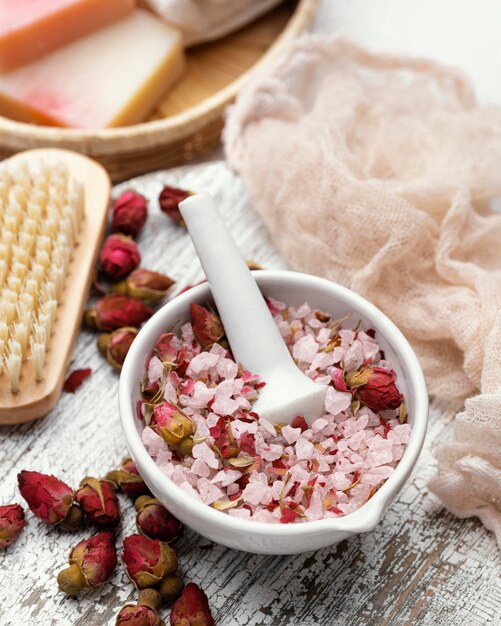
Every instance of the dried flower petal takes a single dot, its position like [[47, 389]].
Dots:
[[75, 379], [129, 213], [192, 608], [11, 523], [147, 561], [116, 311], [49, 498], [169, 200], [99, 501], [119, 256], [155, 521], [92, 562], [207, 326]]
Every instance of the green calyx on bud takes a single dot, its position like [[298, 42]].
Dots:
[[171, 588], [150, 598], [71, 580], [74, 519], [185, 446]]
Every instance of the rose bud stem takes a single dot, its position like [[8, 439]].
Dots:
[[171, 588], [12, 523], [150, 598]]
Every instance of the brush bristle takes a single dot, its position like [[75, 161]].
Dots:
[[42, 211]]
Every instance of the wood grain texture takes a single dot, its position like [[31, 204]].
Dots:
[[419, 566]]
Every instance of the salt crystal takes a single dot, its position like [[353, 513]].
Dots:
[[403, 432], [319, 424], [225, 406], [187, 333], [203, 452], [155, 369], [200, 468], [226, 477], [291, 435], [227, 368], [354, 356], [153, 442], [337, 401], [267, 427], [209, 493], [305, 349], [304, 448], [202, 362]]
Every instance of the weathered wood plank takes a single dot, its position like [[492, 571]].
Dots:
[[420, 565]]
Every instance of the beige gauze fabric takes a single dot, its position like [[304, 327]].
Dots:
[[376, 171]]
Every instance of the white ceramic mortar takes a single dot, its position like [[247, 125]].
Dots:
[[294, 289]]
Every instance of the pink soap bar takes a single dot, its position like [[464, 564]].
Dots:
[[31, 28]]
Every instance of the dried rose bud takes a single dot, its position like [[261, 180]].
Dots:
[[50, 499], [99, 501], [114, 346], [119, 256], [171, 588], [128, 480], [168, 421], [92, 562], [192, 608], [169, 200], [155, 521], [376, 388], [144, 285], [207, 326], [148, 561], [129, 214], [11, 523], [116, 311], [144, 613]]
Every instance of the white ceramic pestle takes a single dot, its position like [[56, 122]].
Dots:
[[254, 338]]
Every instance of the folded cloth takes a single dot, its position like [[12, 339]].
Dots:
[[206, 20], [376, 171]]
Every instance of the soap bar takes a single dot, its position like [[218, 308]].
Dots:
[[31, 28], [113, 77]]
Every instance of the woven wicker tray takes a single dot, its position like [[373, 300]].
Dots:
[[189, 120]]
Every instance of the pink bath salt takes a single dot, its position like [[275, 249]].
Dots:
[[187, 488], [316, 510], [226, 477], [153, 442], [397, 452], [238, 428], [304, 449], [200, 468], [347, 337], [354, 356], [380, 456], [339, 481], [187, 333], [337, 401], [270, 452], [201, 428], [357, 440], [322, 360], [338, 354], [203, 452], [305, 349], [227, 368], [370, 350], [267, 426], [256, 492], [284, 328], [240, 513], [155, 369], [403, 432], [212, 419], [200, 397], [314, 323], [164, 457], [303, 311], [232, 489], [291, 435], [201, 363], [322, 380], [323, 336], [362, 421], [225, 406], [209, 493]]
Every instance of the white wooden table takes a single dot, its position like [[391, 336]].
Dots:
[[420, 566]]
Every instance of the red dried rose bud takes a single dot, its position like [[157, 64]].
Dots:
[[50, 499], [119, 256], [128, 480], [114, 346], [155, 521], [207, 326], [148, 561], [144, 285], [129, 214], [135, 615], [11, 523], [92, 562], [168, 421], [99, 501], [192, 608], [169, 200], [376, 388], [116, 311]]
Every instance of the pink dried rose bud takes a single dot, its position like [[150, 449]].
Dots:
[[148, 561], [144, 285], [192, 608], [376, 388], [144, 613], [168, 421], [207, 326], [50, 499], [114, 346], [99, 501], [92, 562], [116, 311], [128, 480], [130, 211], [155, 521], [11, 523], [119, 256], [169, 200]]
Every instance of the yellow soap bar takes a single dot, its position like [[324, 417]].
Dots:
[[112, 77], [31, 28]]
